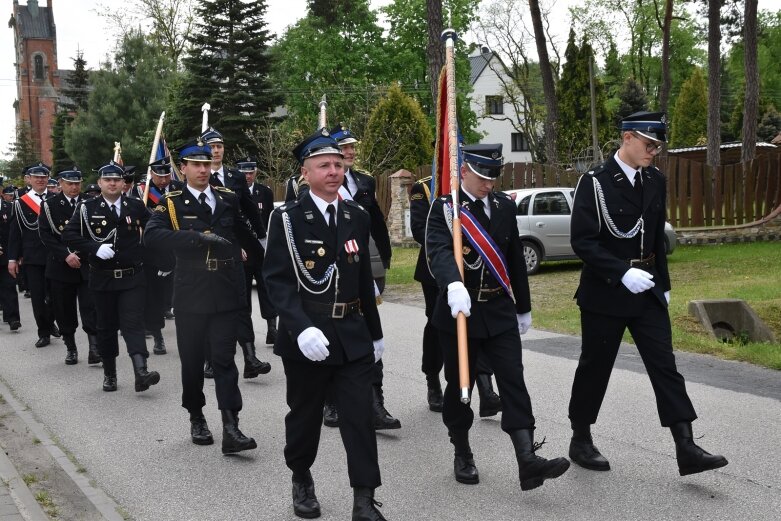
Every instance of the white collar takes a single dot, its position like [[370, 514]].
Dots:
[[322, 204], [196, 193], [628, 170]]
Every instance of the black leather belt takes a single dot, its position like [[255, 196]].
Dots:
[[208, 264], [647, 262], [485, 294], [121, 272], [332, 309]]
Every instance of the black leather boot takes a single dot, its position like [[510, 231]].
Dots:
[[94, 354], [330, 415], [55, 331], [199, 430], [110, 375], [144, 379], [692, 458], [43, 341], [364, 505], [271, 330], [72, 356], [208, 370], [305, 503], [159, 347], [435, 398], [382, 418], [533, 470], [464, 466], [490, 403], [233, 440], [583, 451], [252, 366]]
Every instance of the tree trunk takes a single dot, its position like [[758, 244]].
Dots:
[[435, 49], [548, 86], [751, 102], [664, 91], [714, 83]]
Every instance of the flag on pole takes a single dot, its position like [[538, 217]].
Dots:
[[440, 166]]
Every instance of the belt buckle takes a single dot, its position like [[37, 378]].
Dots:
[[635, 262], [342, 310], [118, 274], [211, 265], [480, 296]]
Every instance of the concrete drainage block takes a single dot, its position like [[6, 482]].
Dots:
[[730, 319]]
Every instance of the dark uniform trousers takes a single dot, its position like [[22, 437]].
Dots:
[[121, 310], [347, 374], [254, 271], [431, 363], [607, 307], [159, 291], [65, 296], [9, 298], [492, 326], [39, 292]]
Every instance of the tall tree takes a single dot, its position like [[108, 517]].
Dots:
[[22, 151], [633, 99], [664, 23], [751, 99], [548, 85], [60, 157], [75, 92], [714, 83], [690, 118], [228, 66]]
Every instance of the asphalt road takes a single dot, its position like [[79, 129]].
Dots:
[[136, 448]]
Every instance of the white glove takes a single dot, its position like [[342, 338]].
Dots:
[[105, 252], [458, 299], [379, 349], [637, 280], [264, 242], [376, 290], [667, 296], [163, 273], [312, 342], [524, 322]]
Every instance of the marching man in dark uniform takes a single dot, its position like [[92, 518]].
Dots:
[[67, 270], [25, 247], [318, 275], [499, 311], [9, 298], [618, 231], [108, 229], [253, 266], [202, 225], [490, 403], [222, 176], [159, 283]]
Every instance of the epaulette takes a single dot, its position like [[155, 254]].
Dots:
[[173, 194], [597, 169], [289, 205], [350, 202], [223, 189], [503, 195]]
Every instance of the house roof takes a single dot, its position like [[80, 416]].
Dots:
[[730, 152], [40, 25], [478, 64]]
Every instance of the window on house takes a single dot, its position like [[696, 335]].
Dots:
[[38, 67], [494, 105], [519, 143]]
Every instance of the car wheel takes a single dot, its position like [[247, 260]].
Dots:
[[531, 253], [380, 281]]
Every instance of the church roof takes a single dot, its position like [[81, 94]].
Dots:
[[39, 25]]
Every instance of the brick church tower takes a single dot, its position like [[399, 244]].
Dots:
[[37, 75]]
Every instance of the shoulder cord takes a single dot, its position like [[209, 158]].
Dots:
[[448, 211], [48, 213], [172, 213], [328, 277], [22, 220], [639, 226], [94, 237]]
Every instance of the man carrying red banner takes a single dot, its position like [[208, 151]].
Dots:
[[494, 295]]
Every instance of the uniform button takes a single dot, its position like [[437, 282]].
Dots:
[[609, 281]]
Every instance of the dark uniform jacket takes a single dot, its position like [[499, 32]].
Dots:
[[498, 313], [606, 258], [6, 218], [24, 241], [208, 279], [56, 213], [350, 337], [264, 199], [237, 182], [295, 184], [93, 222], [419, 204]]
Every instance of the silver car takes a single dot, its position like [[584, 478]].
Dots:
[[543, 219]]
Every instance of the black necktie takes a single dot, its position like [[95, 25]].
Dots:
[[205, 205], [216, 179], [480, 215], [73, 204], [115, 210], [345, 184], [638, 184], [331, 218]]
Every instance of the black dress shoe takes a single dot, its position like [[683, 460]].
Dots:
[[109, 383], [465, 469], [330, 415], [94, 355], [365, 506], [55, 331], [15, 324], [208, 370], [305, 503], [72, 357], [583, 452], [199, 431], [43, 341], [435, 399], [490, 403], [271, 330], [383, 419], [159, 346]]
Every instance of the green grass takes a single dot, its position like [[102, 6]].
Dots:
[[29, 479], [748, 271], [44, 499]]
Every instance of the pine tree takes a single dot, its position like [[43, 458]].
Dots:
[[690, 119], [22, 151], [633, 99], [76, 91], [60, 157], [613, 74], [227, 66]]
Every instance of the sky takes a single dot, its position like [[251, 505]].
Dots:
[[80, 26]]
